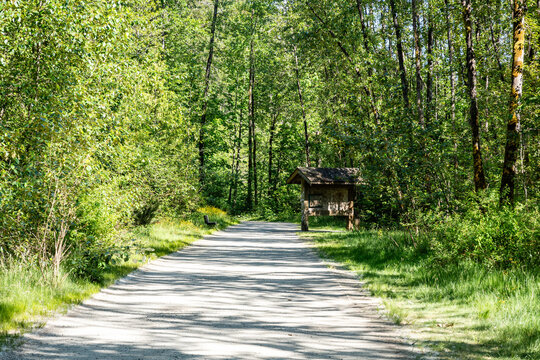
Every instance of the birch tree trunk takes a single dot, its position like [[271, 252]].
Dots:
[[513, 127], [478, 168]]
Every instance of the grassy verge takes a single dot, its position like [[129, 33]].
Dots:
[[26, 300], [462, 312]]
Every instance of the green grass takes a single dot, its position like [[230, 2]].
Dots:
[[26, 300], [462, 312]]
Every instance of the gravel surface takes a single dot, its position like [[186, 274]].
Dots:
[[253, 291]]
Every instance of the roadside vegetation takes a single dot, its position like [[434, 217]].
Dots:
[[115, 114], [28, 296], [467, 287]]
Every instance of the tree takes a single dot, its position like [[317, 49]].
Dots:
[[479, 176], [513, 127], [401, 56], [418, 66], [205, 94]]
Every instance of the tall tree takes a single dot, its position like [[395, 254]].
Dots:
[[429, 82], [205, 95], [452, 84], [478, 167], [513, 126], [251, 120], [418, 65], [299, 89], [401, 56]]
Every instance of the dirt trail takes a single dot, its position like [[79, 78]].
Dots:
[[254, 291]]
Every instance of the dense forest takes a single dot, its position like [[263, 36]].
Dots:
[[116, 113], [125, 120]]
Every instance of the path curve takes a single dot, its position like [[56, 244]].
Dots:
[[253, 291]]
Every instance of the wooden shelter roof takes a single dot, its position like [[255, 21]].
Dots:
[[325, 176]]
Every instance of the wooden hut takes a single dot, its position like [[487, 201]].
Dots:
[[326, 192]]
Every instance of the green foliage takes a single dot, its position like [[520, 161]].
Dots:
[[25, 297], [497, 237], [92, 140]]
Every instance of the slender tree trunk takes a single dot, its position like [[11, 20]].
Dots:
[[401, 57], [429, 81], [479, 177], [452, 87], [270, 155], [205, 96], [513, 127], [418, 65], [364, 28], [306, 138], [251, 126], [496, 49], [238, 153], [389, 158], [233, 161], [234, 146], [255, 181]]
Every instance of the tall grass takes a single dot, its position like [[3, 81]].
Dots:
[[27, 298], [464, 310]]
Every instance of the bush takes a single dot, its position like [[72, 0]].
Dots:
[[496, 236]]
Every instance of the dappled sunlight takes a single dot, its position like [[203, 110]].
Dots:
[[253, 291]]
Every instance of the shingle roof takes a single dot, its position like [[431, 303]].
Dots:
[[325, 176]]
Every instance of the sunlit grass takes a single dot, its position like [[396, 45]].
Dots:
[[26, 299], [462, 312]]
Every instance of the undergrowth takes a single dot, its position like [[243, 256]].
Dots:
[[464, 308], [27, 297]]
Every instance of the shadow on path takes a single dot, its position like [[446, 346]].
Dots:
[[253, 291]]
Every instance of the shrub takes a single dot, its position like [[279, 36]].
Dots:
[[496, 236]]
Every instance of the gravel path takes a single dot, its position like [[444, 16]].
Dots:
[[253, 291]]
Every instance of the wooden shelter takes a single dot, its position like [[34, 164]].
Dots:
[[326, 192]]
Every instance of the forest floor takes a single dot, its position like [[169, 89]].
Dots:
[[253, 291]]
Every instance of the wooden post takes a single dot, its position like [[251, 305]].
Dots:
[[350, 220], [305, 206]]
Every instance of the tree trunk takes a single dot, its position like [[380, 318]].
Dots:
[[233, 162], [479, 177], [251, 125], [429, 82], [418, 66], [236, 148], [306, 138], [401, 57], [270, 154], [205, 95], [237, 168], [496, 49], [364, 28], [513, 127], [452, 87], [255, 181]]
